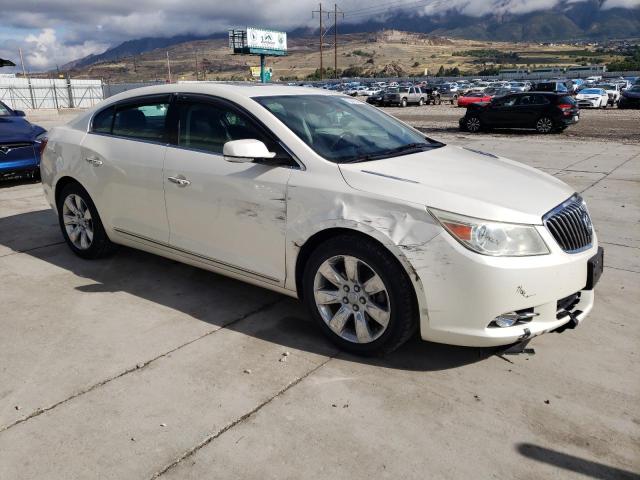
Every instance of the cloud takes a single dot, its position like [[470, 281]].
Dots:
[[55, 31], [44, 50]]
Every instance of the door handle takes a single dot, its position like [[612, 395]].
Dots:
[[95, 161], [180, 181]]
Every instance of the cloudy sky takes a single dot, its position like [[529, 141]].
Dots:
[[53, 32]]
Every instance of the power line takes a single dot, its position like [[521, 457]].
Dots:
[[379, 9]]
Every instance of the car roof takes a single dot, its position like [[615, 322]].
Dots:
[[220, 89]]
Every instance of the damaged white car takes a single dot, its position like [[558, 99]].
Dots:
[[380, 230]]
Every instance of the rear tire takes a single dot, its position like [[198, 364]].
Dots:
[[544, 125], [403, 103], [421, 102], [377, 284], [80, 223]]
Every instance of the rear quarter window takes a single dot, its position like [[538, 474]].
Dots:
[[567, 99]]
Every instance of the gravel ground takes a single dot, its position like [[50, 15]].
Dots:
[[611, 124]]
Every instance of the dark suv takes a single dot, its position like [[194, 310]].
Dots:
[[546, 112]]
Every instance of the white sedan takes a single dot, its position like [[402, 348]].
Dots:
[[381, 231], [592, 98]]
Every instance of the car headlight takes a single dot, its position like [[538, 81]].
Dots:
[[492, 238]]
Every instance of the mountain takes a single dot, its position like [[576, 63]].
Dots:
[[568, 21], [136, 47]]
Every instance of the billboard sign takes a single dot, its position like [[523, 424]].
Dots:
[[266, 40], [255, 72]]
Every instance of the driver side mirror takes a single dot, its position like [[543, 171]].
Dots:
[[245, 151], [19, 113]]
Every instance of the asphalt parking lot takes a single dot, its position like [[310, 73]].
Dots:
[[138, 367]]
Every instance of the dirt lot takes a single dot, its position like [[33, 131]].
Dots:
[[137, 367], [609, 125]]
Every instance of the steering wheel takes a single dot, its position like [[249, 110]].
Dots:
[[341, 138]]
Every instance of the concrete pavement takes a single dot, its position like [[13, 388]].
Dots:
[[137, 367]]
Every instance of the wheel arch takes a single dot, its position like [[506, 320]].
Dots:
[[60, 184], [315, 240]]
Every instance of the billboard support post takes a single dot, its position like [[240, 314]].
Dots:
[[259, 42]]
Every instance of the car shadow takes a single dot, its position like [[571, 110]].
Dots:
[[203, 295], [588, 468], [17, 180]]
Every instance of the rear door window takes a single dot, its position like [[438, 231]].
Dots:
[[142, 120], [103, 121]]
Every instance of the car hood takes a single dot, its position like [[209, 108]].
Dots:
[[463, 181], [17, 129]]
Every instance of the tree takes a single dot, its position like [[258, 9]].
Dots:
[[441, 72]]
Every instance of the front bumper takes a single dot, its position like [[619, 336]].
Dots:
[[465, 291], [18, 161]]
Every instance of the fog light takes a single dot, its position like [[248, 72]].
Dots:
[[506, 320], [512, 318]]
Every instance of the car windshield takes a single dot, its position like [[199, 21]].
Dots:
[[635, 89], [4, 110], [592, 91], [607, 87], [345, 130]]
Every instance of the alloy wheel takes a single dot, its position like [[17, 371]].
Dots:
[[352, 299], [78, 222], [473, 124], [544, 125]]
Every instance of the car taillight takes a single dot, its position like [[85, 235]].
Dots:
[[566, 108]]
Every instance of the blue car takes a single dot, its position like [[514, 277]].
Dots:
[[20, 144]]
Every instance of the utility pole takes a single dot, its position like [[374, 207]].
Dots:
[[168, 67], [320, 12], [197, 76], [335, 38], [24, 74], [321, 40]]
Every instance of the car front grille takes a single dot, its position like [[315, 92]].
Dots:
[[7, 147], [570, 225]]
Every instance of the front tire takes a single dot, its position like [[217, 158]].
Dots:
[[360, 296], [403, 103], [473, 124], [80, 223]]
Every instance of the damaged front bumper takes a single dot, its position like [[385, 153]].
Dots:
[[465, 292]]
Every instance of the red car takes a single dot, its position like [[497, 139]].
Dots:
[[473, 97]]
